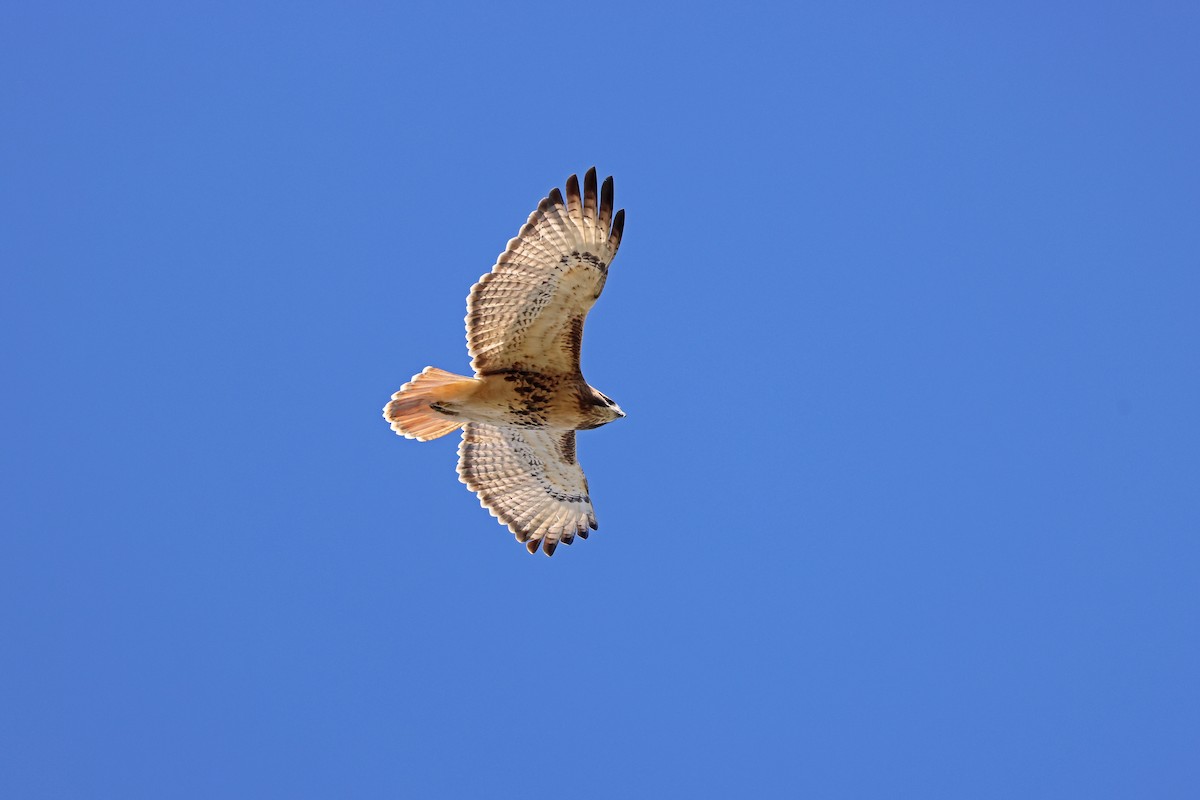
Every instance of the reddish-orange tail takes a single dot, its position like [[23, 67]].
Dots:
[[411, 412]]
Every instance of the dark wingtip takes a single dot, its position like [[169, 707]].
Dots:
[[548, 546], [618, 228], [555, 197], [606, 202], [589, 193], [573, 189], [532, 546]]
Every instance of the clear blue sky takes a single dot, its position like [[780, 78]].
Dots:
[[905, 322]]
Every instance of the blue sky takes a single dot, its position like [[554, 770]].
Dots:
[[904, 321]]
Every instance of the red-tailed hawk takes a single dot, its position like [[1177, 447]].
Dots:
[[520, 411]]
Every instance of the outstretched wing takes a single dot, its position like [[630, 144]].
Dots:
[[529, 480], [528, 312]]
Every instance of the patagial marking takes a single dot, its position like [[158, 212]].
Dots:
[[574, 336], [566, 447]]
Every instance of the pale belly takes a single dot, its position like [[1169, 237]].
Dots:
[[524, 400]]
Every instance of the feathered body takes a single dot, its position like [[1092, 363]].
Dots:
[[520, 410]]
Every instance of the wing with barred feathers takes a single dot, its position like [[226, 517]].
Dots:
[[528, 312], [529, 480]]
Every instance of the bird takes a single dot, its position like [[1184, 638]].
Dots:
[[520, 410]]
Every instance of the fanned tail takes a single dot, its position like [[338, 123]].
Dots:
[[412, 412]]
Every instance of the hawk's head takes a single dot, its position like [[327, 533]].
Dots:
[[601, 410]]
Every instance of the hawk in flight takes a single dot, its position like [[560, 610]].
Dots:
[[520, 410]]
